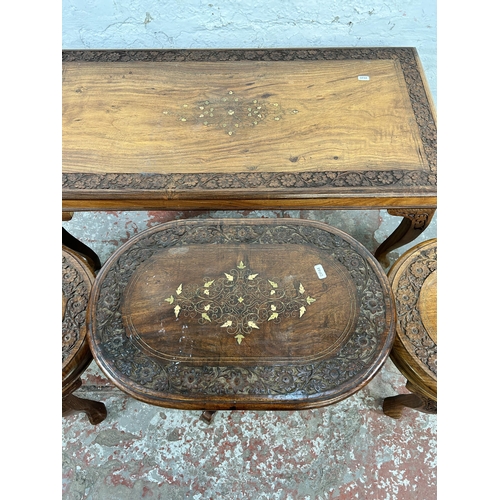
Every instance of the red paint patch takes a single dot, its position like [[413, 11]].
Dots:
[[146, 492], [160, 217], [95, 380], [116, 480]]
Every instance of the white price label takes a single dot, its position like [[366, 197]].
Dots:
[[320, 271], [363, 77]]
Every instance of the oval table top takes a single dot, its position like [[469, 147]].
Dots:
[[241, 314], [77, 280], [413, 280]]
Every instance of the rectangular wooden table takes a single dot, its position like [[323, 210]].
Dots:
[[337, 128]]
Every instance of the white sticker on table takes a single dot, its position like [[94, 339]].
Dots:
[[320, 271]]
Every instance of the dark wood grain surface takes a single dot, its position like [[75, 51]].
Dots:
[[246, 314], [231, 129]]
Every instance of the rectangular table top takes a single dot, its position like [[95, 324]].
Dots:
[[290, 128]]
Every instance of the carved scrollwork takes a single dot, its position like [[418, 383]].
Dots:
[[354, 358], [407, 295], [245, 180], [75, 294], [419, 217]]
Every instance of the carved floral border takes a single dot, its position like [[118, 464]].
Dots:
[[78, 182], [76, 292], [75, 182], [353, 362], [409, 285]]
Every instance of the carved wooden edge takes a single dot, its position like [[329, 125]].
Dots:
[[415, 221], [420, 218], [423, 383], [77, 280], [412, 340], [165, 384], [174, 183], [81, 185]]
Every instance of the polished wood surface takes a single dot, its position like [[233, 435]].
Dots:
[[77, 281], [413, 280], [241, 314], [195, 129]]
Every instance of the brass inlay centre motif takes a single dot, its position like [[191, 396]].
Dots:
[[230, 113], [240, 301]]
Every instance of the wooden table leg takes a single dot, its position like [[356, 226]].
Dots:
[[394, 405], [414, 222], [207, 416], [95, 411], [71, 242]]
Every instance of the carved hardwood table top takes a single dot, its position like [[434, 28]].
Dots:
[[77, 280], [413, 280], [232, 129], [241, 314]]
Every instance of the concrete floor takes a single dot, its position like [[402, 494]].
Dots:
[[344, 451]]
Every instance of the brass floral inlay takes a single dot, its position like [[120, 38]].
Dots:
[[230, 113], [240, 301]]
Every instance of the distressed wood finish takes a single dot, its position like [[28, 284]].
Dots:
[[77, 280], [413, 280], [233, 129], [234, 314]]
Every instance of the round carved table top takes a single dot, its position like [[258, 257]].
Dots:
[[413, 279], [77, 280], [241, 314]]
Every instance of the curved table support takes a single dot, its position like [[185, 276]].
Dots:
[[394, 405], [96, 412], [91, 257], [414, 222]]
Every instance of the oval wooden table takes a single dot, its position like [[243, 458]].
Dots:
[[266, 314], [77, 280], [413, 279]]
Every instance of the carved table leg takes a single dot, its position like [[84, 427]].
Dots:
[[70, 241], [95, 411], [413, 224], [393, 406], [207, 416]]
